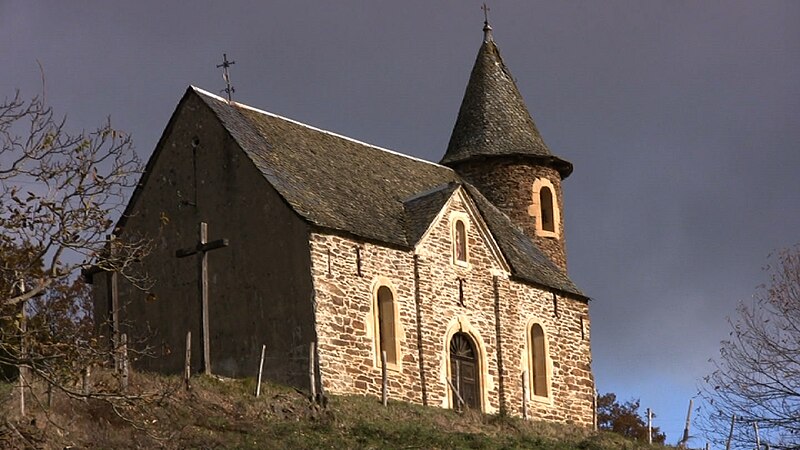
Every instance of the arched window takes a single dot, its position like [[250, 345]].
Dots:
[[539, 377], [544, 209], [387, 339], [461, 241], [546, 206]]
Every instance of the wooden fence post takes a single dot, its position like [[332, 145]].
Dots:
[[459, 400], [23, 348], [685, 440], [730, 435], [311, 377], [260, 370], [49, 395], [758, 438], [21, 392], [525, 395], [323, 398], [458, 387], [187, 367], [124, 362], [87, 372], [384, 387]]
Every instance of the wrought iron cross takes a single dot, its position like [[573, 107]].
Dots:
[[202, 248], [226, 76], [487, 29]]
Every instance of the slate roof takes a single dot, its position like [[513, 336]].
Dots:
[[423, 208], [342, 184], [526, 260], [493, 119], [330, 180]]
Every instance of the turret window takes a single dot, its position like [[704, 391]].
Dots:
[[544, 210]]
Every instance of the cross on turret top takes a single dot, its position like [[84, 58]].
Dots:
[[487, 29]]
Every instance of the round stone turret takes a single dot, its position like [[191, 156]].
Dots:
[[496, 147]]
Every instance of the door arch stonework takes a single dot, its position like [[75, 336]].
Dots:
[[485, 383]]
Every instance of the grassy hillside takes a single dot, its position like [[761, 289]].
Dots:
[[219, 413]]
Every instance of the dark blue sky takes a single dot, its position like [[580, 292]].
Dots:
[[682, 119]]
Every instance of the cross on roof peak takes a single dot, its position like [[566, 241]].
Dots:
[[226, 76]]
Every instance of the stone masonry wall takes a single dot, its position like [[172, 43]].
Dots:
[[442, 314], [344, 304], [508, 184], [567, 327], [344, 314]]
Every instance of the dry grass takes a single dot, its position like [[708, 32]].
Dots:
[[219, 413]]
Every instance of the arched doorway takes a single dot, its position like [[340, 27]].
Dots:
[[464, 371]]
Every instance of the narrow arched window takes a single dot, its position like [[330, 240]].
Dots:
[[386, 325], [546, 204], [544, 209], [460, 243], [538, 361]]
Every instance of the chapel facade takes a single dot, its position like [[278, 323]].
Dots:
[[455, 271]]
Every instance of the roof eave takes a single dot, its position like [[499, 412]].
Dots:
[[563, 166], [574, 295]]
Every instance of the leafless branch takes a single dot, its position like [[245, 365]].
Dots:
[[757, 374], [60, 194]]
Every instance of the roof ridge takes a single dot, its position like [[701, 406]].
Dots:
[[430, 191], [311, 127]]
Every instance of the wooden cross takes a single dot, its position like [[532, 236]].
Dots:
[[226, 76], [202, 248]]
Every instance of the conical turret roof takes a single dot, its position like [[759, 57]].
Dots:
[[493, 120]]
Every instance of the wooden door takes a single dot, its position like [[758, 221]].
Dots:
[[464, 371]]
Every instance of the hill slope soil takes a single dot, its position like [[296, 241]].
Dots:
[[222, 413]]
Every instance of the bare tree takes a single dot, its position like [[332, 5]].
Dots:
[[59, 194], [757, 374]]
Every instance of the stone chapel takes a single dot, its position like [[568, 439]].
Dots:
[[457, 270]]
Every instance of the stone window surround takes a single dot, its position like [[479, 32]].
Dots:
[[527, 362], [455, 217], [373, 323], [535, 209], [472, 219]]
